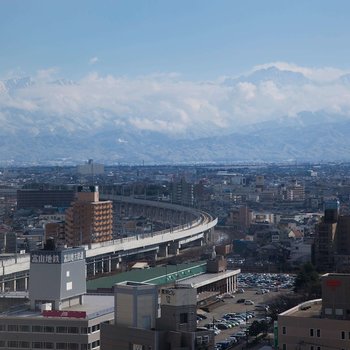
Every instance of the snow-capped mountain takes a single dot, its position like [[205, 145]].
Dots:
[[269, 114]]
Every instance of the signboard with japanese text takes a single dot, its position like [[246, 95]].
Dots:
[[57, 257], [60, 313]]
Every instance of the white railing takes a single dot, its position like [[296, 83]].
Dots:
[[196, 227]]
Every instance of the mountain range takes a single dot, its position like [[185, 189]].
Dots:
[[29, 135]]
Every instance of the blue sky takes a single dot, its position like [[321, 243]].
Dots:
[[197, 39], [166, 66]]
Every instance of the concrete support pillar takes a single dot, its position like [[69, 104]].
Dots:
[[3, 287], [163, 251], [199, 242], [26, 283], [174, 248], [14, 285], [119, 260], [94, 268]]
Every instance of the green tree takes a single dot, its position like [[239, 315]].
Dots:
[[258, 327], [308, 282]]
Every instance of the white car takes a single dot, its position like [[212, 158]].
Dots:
[[249, 302]]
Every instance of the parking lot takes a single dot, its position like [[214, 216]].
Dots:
[[253, 287]]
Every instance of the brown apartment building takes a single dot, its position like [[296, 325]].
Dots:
[[320, 324], [88, 220]]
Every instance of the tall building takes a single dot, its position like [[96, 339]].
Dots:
[[60, 315], [324, 245], [319, 324], [332, 240], [295, 192], [91, 168], [88, 220], [137, 325], [182, 193], [259, 182]]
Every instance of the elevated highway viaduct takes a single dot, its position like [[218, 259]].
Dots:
[[187, 225]]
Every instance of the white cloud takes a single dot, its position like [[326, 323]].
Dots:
[[324, 74], [93, 60], [166, 103], [46, 74], [248, 90]]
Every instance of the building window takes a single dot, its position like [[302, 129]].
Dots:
[[73, 346], [2, 344], [37, 345], [311, 332], [37, 329], [61, 329], [284, 331], [12, 344], [183, 318], [12, 328], [61, 346], [2, 327], [284, 347], [318, 333], [24, 328], [95, 328], [49, 329], [85, 330], [339, 312], [342, 334], [328, 311], [95, 344], [49, 345], [24, 344], [74, 330], [311, 347]]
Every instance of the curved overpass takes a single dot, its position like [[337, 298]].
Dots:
[[107, 256]]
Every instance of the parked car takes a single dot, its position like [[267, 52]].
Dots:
[[239, 334], [224, 344], [240, 301], [248, 302], [227, 296], [222, 326], [261, 307]]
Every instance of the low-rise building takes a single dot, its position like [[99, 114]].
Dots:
[[321, 323], [60, 315], [138, 325]]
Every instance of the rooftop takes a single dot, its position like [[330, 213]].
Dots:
[[206, 278], [160, 275], [310, 309], [93, 305]]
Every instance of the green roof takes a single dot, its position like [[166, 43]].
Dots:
[[160, 275]]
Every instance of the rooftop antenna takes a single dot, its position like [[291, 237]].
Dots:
[[91, 162]]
